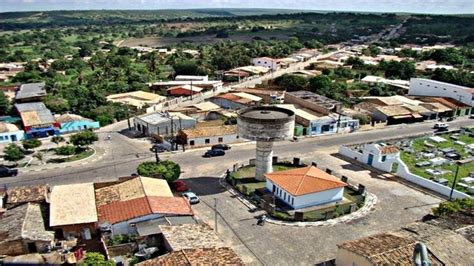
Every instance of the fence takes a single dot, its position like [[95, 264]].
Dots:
[[355, 192], [402, 171]]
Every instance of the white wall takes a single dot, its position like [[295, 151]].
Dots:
[[307, 200], [263, 62], [426, 87], [201, 141], [404, 173], [322, 197], [6, 137], [124, 228], [402, 170]]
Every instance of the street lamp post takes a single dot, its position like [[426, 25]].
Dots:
[[454, 182]]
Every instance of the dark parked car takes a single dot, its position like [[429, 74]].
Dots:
[[5, 171], [159, 148], [223, 147], [213, 153]]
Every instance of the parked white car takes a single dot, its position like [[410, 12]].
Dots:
[[192, 198]]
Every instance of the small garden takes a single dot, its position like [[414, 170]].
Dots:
[[30, 152], [244, 178], [244, 181], [436, 159]]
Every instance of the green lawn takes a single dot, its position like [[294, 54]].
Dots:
[[249, 171], [76, 157]]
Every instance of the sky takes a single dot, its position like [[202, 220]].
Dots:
[[412, 6]]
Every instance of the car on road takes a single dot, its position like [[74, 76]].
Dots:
[[192, 197], [160, 148], [440, 125], [214, 153], [180, 186], [442, 129], [471, 116], [5, 171], [223, 147]]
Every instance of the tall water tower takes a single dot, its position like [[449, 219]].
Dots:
[[265, 124]]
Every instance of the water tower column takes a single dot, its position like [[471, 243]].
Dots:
[[264, 159]]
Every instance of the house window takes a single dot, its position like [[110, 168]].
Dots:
[[292, 201], [284, 195], [6, 137], [191, 142], [384, 158], [1, 137], [220, 139], [207, 141], [274, 188]]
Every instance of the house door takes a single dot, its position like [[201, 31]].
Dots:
[[32, 248], [370, 160]]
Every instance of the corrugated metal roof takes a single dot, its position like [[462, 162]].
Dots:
[[31, 90]]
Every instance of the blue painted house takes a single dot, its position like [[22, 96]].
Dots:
[[73, 123], [10, 133], [38, 121]]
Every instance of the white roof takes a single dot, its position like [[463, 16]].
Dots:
[[254, 69], [72, 204], [414, 80], [156, 118], [248, 96], [370, 78], [188, 77], [298, 112], [207, 106], [437, 139], [188, 82]]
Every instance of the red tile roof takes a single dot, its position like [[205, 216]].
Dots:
[[389, 149], [125, 210], [305, 180], [199, 256]]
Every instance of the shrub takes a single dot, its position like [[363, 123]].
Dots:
[[31, 143], [451, 207], [13, 153], [95, 258], [84, 138], [57, 139], [66, 150], [168, 170]]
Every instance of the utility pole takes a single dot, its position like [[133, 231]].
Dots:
[[454, 182], [215, 214], [191, 89], [157, 158], [338, 122], [128, 117]]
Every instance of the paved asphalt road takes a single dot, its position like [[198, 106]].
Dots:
[[121, 157], [262, 245]]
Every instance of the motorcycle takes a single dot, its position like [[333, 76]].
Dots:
[[261, 220]]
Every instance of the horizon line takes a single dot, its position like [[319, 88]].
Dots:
[[243, 8]]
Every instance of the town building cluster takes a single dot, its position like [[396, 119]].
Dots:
[[60, 224]]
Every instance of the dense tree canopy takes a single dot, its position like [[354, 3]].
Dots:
[[168, 170]]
